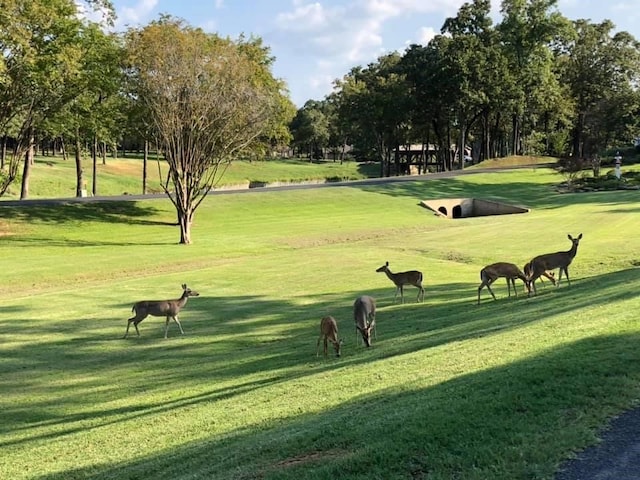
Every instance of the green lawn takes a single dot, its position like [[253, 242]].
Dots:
[[53, 177], [504, 390]]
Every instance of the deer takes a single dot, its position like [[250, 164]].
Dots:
[[329, 333], [510, 271], [551, 261], [364, 314], [528, 270], [400, 279], [160, 308]]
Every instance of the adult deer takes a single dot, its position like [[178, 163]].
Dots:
[[551, 261], [491, 273], [528, 270], [364, 314], [160, 308], [400, 279], [329, 333]]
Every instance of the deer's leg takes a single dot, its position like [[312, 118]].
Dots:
[[482, 285], [566, 274], [179, 324], [326, 346], [559, 277], [401, 287], [490, 291], [127, 331], [135, 324], [513, 282]]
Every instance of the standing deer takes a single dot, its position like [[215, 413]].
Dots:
[[551, 261], [491, 273], [364, 314], [329, 333], [528, 270], [160, 308], [400, 279]]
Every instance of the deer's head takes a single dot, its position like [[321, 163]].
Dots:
[[187, 292], [383, 268], [337, 346]]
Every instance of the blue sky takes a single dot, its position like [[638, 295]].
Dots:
[[315, 42]]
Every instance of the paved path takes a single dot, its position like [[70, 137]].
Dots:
[[616, 457], [223, 191]]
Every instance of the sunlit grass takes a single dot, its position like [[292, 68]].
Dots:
[[53, 177], [504, 390]]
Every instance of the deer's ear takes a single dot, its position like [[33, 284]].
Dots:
[[579, 236]]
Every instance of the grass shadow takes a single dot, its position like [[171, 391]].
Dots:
[[127, 212]]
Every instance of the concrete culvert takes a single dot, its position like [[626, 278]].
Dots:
[[470, 207]]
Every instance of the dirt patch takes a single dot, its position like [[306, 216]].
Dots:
[[309, 458], [4, 230], [359, 236]]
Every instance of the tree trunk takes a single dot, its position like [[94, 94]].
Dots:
[[63, 149], [3, 153], [94, 160], [79, 172], [516, 134], [145, 159], [185, 218], [103, 152], [26, 172]]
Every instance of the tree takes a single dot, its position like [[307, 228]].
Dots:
[[602, 72], [527, 31], [209, 99], [375, 101], [39, 41], [310, 128]]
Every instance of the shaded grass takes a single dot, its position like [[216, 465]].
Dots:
[[503, 390]]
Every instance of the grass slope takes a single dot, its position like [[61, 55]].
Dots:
[[504, 390], [53, 177]]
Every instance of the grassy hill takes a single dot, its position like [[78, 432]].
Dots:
[[507, 389], [53, 177]]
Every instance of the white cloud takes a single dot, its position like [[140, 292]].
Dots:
[[136, 14], [327, 38], [426, 34]]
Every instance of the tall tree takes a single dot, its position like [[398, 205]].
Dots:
[[39, 41], [602, 71], [310, 128], [209, 100], [527, 31]]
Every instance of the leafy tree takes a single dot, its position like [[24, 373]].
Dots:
[[209, 100], [602, 71], [528, 30], [310, 128], [375, 101], [39, 41]]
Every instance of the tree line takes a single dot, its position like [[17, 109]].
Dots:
[[535, 83]]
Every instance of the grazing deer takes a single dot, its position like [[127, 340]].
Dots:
[[400, 279], [491, 273], [364, 314], [528, 270], [551, 261], [329, 333], [160, 308]]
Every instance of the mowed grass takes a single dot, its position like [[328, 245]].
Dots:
[[54, 177], [505, 390]]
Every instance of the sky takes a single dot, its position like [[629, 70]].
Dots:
[[316, 42]]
